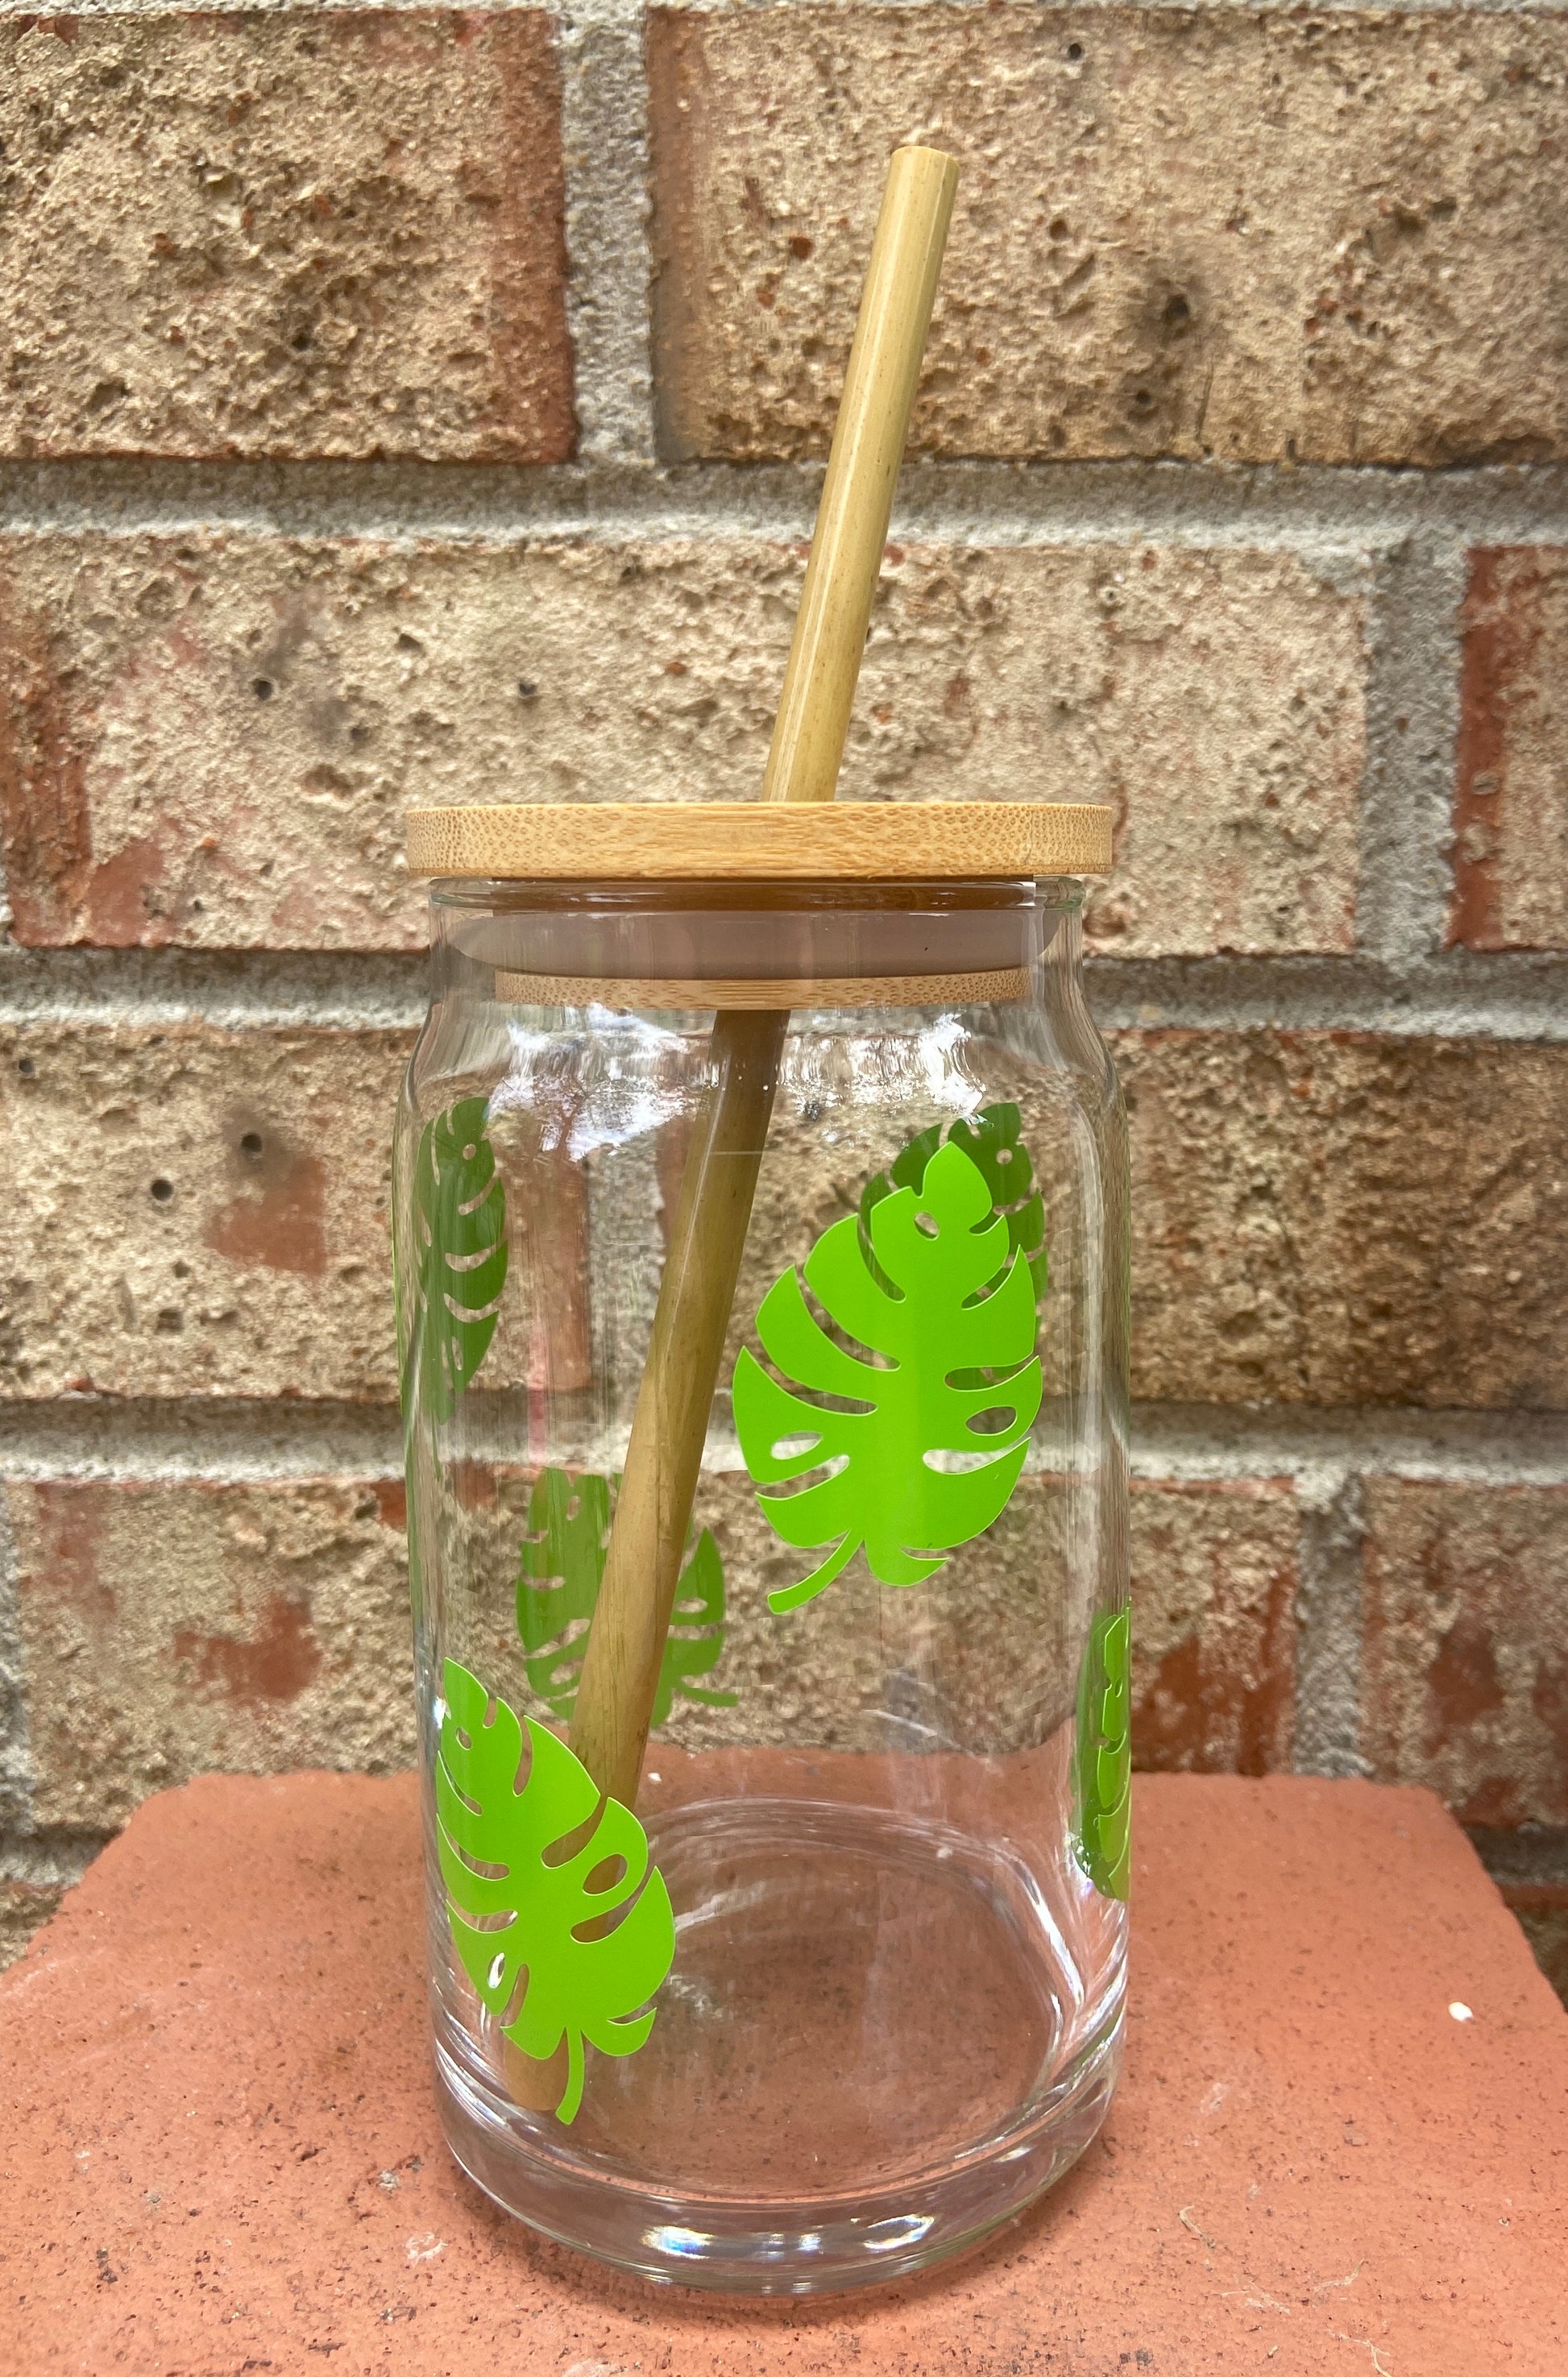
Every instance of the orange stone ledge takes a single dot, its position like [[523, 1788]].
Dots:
[[220, 2154]]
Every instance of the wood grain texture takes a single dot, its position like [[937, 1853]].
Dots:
[[669, 1426], [859, 841], [629, 996], [807, 750]]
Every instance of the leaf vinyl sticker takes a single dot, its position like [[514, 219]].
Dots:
[[558, 1580], [539, 1919], [992, 1139], [1105, 1754], [916, 1400], [458, 1258]]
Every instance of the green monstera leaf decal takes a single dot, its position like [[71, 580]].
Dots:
[[923, 1428], [1105, 1754], [540, 1921], [992, 1140], [457, 1265], [557, 1585]]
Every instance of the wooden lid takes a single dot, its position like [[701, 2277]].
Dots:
[[996, 986], [740, 841]]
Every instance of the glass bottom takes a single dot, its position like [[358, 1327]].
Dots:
[[876, 2047]]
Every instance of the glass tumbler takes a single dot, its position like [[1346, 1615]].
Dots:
[[830, 1982]]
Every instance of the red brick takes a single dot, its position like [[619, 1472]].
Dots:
[[1213, 1626], [1511, 791], [1353, 2164], [308, 232], [1464, 1664], [1261, 234]]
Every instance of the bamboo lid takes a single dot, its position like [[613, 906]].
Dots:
[[739, 841], [627, 995]]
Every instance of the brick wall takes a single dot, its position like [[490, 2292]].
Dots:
[[420, 405]]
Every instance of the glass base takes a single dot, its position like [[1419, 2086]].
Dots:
[[875, 2049]]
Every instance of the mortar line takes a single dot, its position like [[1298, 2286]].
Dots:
[[604, 153], [1407, 790], [1091, 8], [236, 1440], [1313, 1443], [1460, 994], [1531, 1854], [54, 1856], [618, 11], [1329, 1628], [250, 989], [1456, 995], [16, 1750], [1317, 509]]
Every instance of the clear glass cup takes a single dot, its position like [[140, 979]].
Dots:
[[845, 1991]]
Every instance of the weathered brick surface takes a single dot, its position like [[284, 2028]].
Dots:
[[1213, 1626], [1319, 1217], [1253, 235], [173, 1628], [209, 738], [1340, 1218], [1465, 1663], [23, 1906], [1213, 1583], [308, 233], [980, 1655], [197, 1212], [1511, 791]]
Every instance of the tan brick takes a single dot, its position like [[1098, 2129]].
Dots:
[[1511, 792], [24, 1906], [1318, 1217], [1337, 1217], [1464, 1664], [1213, 1626], [1252, 234], [197, 1212], [209, 738], [173, 1628], [308, 233]]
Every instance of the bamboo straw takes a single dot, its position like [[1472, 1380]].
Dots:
[[626, 1640]]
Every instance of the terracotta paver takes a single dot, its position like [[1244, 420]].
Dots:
[[221, 2152]]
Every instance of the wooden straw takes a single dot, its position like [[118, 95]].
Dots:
[[626, 1640]]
